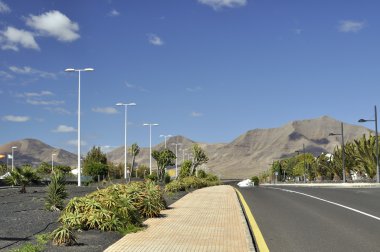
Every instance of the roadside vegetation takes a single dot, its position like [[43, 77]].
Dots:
[[360, 164], [118, 207]]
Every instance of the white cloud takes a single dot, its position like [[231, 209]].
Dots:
[[5, 75], [64, 129], [219, 4], [106, 110], [114, 13], [54, 24], [32, 71], [194, 89], [12, 37], [139, 88], [155, 40], [4, 8], [196, 114], [58, 110], [13, 118], [21, 70], [42, 102], [42, 93], [75, 142], [350, 26]]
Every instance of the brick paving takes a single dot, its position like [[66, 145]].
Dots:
[[208, 219]]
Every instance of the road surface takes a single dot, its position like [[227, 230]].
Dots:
[[316, 219]]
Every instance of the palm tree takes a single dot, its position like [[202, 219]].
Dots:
[[134, 150], [23, 176], [365, 155]]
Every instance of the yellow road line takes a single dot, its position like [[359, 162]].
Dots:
[[262, 246]]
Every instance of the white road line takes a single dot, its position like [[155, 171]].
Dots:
[[331, 202]]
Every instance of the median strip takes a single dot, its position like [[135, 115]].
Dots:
[[260, 242]]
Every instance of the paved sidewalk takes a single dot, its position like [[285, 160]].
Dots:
[[208, 219]]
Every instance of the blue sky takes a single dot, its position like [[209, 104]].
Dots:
[[206, 69]]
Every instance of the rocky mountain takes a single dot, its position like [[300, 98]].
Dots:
[[254, 151], [247, 155], [32, 151]]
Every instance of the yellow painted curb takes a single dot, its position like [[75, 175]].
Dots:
[[261, 244]]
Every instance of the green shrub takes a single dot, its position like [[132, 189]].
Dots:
[[185, 169], [167, 178], [28, 247], [255, 180], [153, 176], [114, 207], [201, 174], [151, 201], [175, 186], [191, 182], [56, 193], [43, 239], [63, 236]]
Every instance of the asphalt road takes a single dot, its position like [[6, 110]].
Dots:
[[293, 222]]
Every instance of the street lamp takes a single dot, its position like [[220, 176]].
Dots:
[[150, 144], [343, 154], [165, 136], [52, 162], [125, 133], [79, 71], [13, 157], [176, 158], [377, 143]]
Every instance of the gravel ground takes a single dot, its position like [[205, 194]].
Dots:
[[22, 216]]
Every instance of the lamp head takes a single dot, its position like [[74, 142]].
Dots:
[[120, 104], [131, 104], [362, 120], [88, 69], [69, 70], [14, 147]]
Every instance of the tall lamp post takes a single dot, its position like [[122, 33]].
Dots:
[[79, 71], [125, 132], [13, 156], [150, 144], [377, 143], [343, 153], [176, 158], [52, 162], [165, 136]]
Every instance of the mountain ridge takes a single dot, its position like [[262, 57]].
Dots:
[[248, 154]]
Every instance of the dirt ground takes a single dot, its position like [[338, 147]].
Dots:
[[22, 216]]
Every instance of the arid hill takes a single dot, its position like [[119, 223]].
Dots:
[[32, 151], [254, 151], [247, 155]]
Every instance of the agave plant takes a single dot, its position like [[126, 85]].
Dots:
[[56, 193], [63, 236]]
